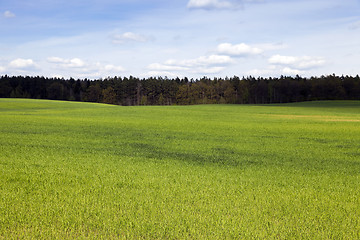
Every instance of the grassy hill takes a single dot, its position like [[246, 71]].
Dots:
[[82, 170]]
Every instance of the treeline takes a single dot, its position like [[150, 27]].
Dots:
[[165, 91]]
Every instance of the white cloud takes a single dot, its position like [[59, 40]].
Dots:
[[129, 37], [202, 65], [202, 61], [76, 63], [113, 68], [77, 67], [241, 49], [22, 64], [269, 71], [164, 67], [289, 66], [210, 4], [284, 60], [69, 63], [208, 70], [291, 72], [275, 71], [8, 14], [2, 69], [304, 62]]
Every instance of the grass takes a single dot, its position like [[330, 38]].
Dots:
[[91, 171]]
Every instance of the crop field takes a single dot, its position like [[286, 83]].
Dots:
[[73, 170]]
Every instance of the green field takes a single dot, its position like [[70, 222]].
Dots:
[[87, 171]]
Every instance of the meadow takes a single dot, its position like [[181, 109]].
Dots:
[[72, 170]]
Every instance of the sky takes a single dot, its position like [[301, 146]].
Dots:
[[182, 38]]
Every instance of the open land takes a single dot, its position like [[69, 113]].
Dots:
[[83, 170]]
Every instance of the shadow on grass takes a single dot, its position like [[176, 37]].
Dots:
[[218, 155]]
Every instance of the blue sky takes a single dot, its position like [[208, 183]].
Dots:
[[192, 38]]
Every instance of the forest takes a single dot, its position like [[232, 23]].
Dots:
[[129, 91]]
